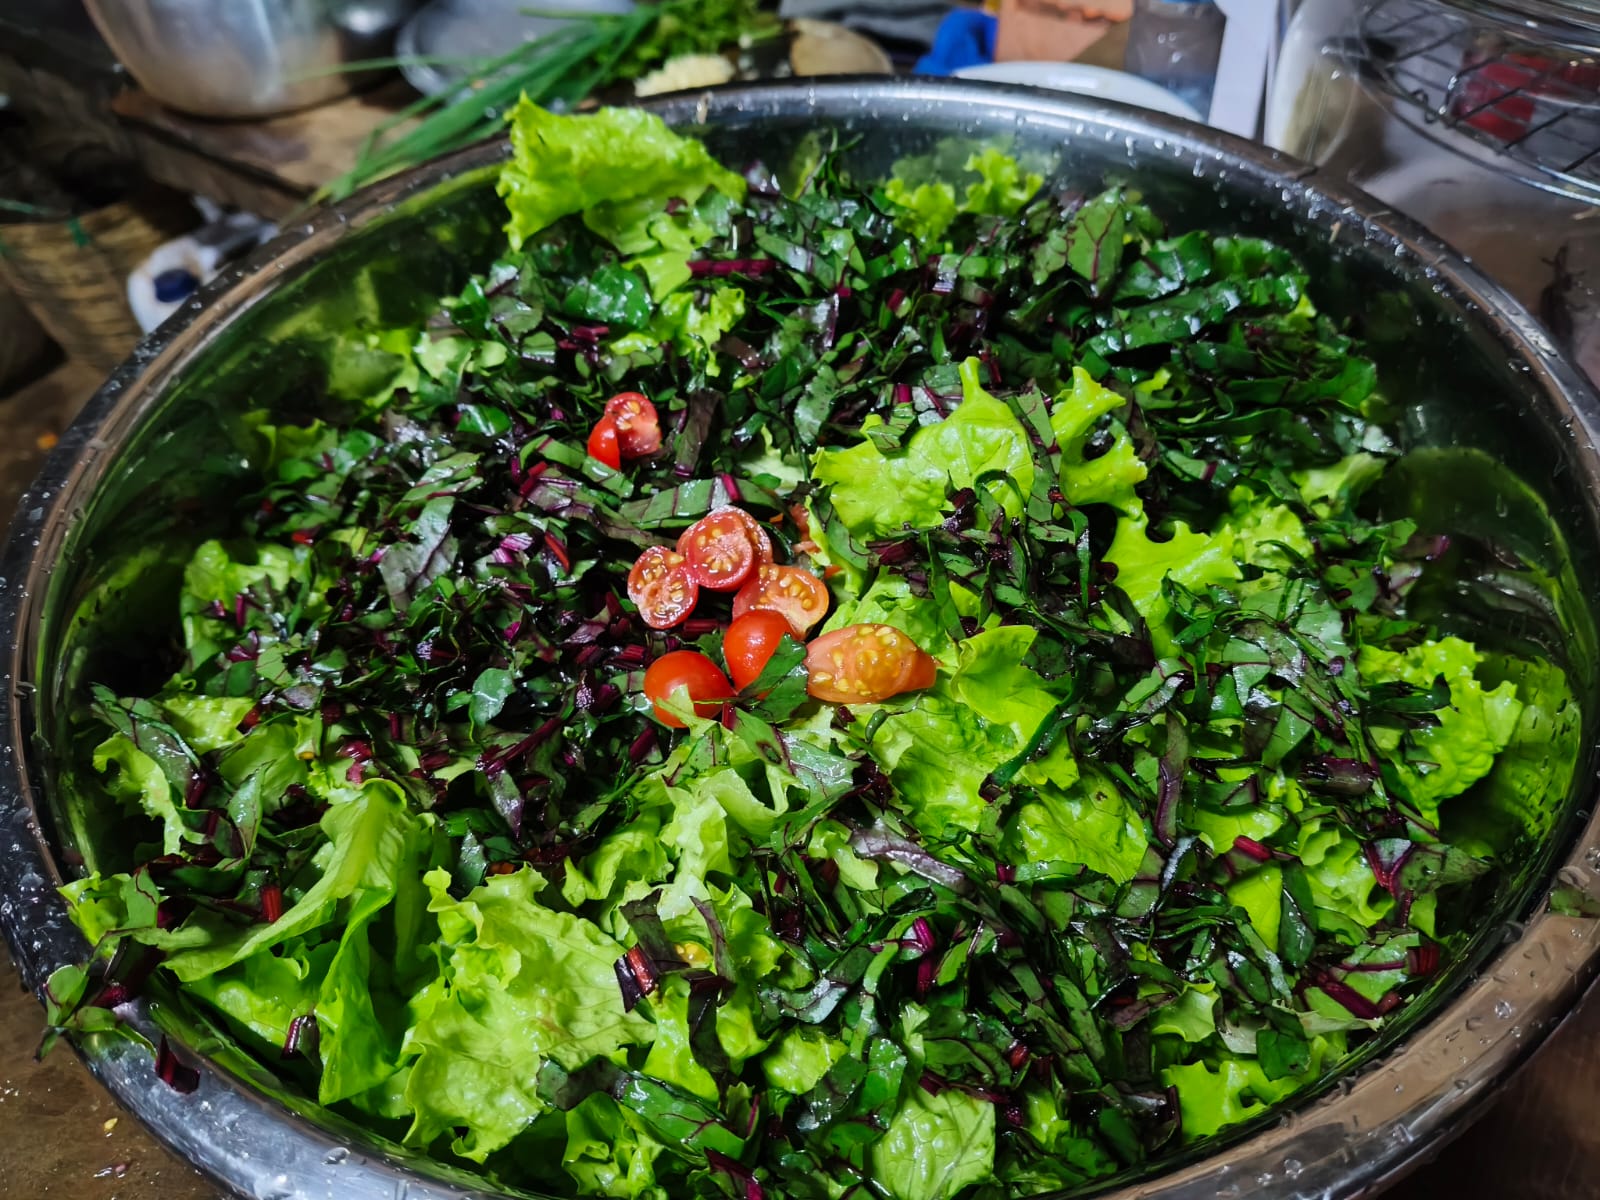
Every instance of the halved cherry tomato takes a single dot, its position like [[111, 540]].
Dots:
[[663, 588], [798, 596], [693, 672], [863, 663], [720, 550], [638, 426], [759, 537], [750, 643], [603, 443]]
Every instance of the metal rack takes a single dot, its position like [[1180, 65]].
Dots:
[[1523, 94]]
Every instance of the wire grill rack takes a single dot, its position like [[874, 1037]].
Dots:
[[1512, 91]]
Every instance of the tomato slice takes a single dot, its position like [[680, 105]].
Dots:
[[864, 663], [604, 444], [663, 588], [720, 550], [692, 672], [798, 596], [750, 643], [638, 425], [758, 535], [759, 538]]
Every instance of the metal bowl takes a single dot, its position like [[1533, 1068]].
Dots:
[[247, 58], [146, 464]]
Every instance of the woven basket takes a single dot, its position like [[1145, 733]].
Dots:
[[23, 344], [72, 275]]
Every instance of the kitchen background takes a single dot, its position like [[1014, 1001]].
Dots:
[[146, 145]]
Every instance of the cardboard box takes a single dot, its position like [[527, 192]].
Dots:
[[1055, 30]]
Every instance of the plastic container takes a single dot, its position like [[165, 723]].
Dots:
[[1176, 43], [176, 269]]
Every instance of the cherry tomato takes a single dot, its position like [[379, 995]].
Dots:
[[750, 643], [862, 663], [603, 443], [759, 537], [694, 673], [638, 426], [663, 588], [799, 596], [720, 550]]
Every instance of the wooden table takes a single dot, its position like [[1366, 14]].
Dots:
[[269, 167]]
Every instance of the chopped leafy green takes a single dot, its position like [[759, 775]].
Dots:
[[1205, 789], [874, 493]]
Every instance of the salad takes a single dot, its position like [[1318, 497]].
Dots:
[[790, 684]]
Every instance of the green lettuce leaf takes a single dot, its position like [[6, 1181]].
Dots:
[[137, 780], [631, 853], [799, 1059], [875, 493], [102, 907], [266, 993], [371, 839], [924, 197], [360, 1032], [1190, 1016], [520, 983], [696, 328], [1531, 775], [1260, 894], [618, 167], [1234, 1091], [1264, 534], [671, 1059], [1111, 477], [1444, 760], [1331, 490], [940, 749], [1196, 560], [207, 723], [1344, 888], [608, 1153], [1091, 824], [1074, 1158], [935, 1146]]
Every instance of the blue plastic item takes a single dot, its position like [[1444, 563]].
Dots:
[[965, 39], [174, 285]]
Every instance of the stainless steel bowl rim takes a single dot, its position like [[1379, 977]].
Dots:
[[1348, 1141]]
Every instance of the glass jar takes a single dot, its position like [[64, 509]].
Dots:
[[1177, 43], [1479, 118]]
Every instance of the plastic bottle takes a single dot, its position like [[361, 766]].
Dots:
[[1176, 43]]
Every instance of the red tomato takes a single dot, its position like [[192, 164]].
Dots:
[[862, 663], [663, 588], [799, 596], [638, 426], [720, 550], [759, 537], [750, 643], [695, 674], [603, 443]]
